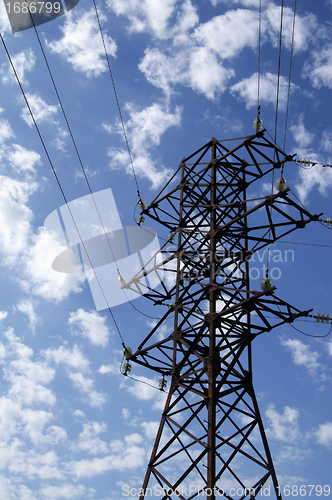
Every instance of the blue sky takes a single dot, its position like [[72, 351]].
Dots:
[[71, 426]]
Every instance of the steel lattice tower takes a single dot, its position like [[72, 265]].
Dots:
[[211, 434]]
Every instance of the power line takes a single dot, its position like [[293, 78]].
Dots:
[[279, 65], [58, 181], [81, 164], [63, 194], [290, 73], [259, 56], [117, 100]]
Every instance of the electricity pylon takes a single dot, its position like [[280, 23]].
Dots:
[[211, 438]]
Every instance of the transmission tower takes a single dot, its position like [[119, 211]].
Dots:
[[211, 439]]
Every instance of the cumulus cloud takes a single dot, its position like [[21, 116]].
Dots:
[[85, 385], [155, 17], [192, 66], [283, 426], [38, 277], [125, 455], [324, 434], [301, 135], [81, 44], [15, 216], [23, 61], [67, 491], [5, 129], [232, 32], [318, 68], [145, 128], [303, 356], [247, 90], [42, 111], [3, 315], [326, 141], [73, 358], [89, 440], [4, 21], [146, 391], [305, 27], [27, 378], [23, 160], [91, 326], [311, 178], [26, 306]]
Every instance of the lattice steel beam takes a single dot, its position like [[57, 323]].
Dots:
[[211, 432]]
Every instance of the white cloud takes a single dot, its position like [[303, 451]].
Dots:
[[247, 89], [66, 491], [283, 427], [27, 377], [88, 439], [207, 75], [22, 159], [4, 21], [85, 385], [3, 315], [324, 434], [145, 128], [40, 109], [301, 135], [192, 66], [145, 389], [91, 326], [150, 429], [27, 307], [23, 61], [81, 45], [5, 129], [73, 358], [15, 216], [114, 368], [155, 17], [303, 356], [305, 27], [231, 33], [247, 3], [125, 455], [319, 67], [310, 178], [38, 277], [326, 141]]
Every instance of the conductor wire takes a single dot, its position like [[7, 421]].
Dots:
[[58, 181], [117, 101]]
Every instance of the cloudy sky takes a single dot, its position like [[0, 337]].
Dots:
[[71, 426]]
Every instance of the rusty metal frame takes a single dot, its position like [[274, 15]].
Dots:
[[211, 427]]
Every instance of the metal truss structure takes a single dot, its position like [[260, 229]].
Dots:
[[211, 438]]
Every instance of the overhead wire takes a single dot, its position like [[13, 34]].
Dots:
[[81, 164], [300, 331], [259, 58], [59, 184], [117, 100], [289, 79], [58, 181]]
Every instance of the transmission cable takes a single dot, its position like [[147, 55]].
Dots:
[[289, 80], [259, 58], [65, 199], [279, 66], [300, 331], [58, 182], [117, 101], [82, 167]]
